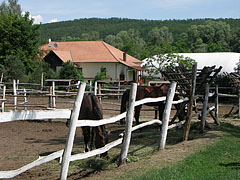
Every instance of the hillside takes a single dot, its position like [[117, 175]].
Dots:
[[75, 28]]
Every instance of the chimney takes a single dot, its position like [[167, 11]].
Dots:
[[124, 56], [49, 41]]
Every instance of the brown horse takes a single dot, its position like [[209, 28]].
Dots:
[[91, 109], [149, 92]]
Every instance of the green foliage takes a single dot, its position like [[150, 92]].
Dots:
[[101, 75], [19, 41], [70, 71], [157, 63], [14, 68], [42, 67]]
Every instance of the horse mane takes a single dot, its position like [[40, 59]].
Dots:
[[101, 132], [97, 110]]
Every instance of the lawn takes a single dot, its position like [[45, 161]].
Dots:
[[220, 161]]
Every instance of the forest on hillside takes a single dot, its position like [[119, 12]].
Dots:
[[142, 38]]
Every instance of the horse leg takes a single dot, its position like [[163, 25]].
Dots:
[[93, 133], [137, 113], [160, 110], [86, 136]]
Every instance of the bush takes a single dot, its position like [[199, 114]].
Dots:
[[70, 71]]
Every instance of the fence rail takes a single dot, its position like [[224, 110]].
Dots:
[[66, 156]]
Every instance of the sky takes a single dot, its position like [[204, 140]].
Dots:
[[46, 11]]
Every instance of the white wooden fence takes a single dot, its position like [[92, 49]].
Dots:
[[74, 123]]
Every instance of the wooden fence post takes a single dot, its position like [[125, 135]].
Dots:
[[53, 95], [14, 94], [3, 97], [50, 96], [166, 115], [128, 126], [216, 102], [71, 132], [95, 88], [204, 109], [42, 84], [238, 102], [25, 99], [190, 103]]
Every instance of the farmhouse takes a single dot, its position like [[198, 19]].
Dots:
[[93, 57]]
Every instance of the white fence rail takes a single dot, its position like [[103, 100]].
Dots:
[[67, 157]]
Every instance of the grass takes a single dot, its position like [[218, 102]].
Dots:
[[220, 161]]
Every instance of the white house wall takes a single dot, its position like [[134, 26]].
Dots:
[[114, 70]]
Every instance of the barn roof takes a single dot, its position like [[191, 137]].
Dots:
[[90, 51]]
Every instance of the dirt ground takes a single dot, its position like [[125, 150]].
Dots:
[[22, 142]]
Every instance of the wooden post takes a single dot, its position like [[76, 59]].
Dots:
[[14, 94], [50, 97], [216, 102], [166, 115], [204, 109], [71, 132], [1, 80], [53, 95], [95, 88], [25, 99], [119, 88], [128, 126], [4, 96], [190, 103], [42, 81], [238, 102], [17, 83], [99, 91], [90, 86]]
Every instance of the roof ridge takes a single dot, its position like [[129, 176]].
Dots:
[[104, 44]]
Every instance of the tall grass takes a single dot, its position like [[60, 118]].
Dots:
[[220, 161]]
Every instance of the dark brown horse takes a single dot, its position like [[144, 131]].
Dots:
[[148, 92], [92, 109]]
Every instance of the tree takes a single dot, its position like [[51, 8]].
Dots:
[[159, 35], [235, 40], [128, 41], [70, 71], [158, 63], [42, 67], [19, 38], [209, 37]]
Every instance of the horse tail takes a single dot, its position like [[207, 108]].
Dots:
[[124, 100]]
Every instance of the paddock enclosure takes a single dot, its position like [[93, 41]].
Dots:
[[23, 141]]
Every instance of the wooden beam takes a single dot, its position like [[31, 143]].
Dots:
[[71, 132], [166, 115], [190, 103], [34, 115], [128, 127]]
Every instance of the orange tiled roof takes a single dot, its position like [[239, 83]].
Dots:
[[89, 51]]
